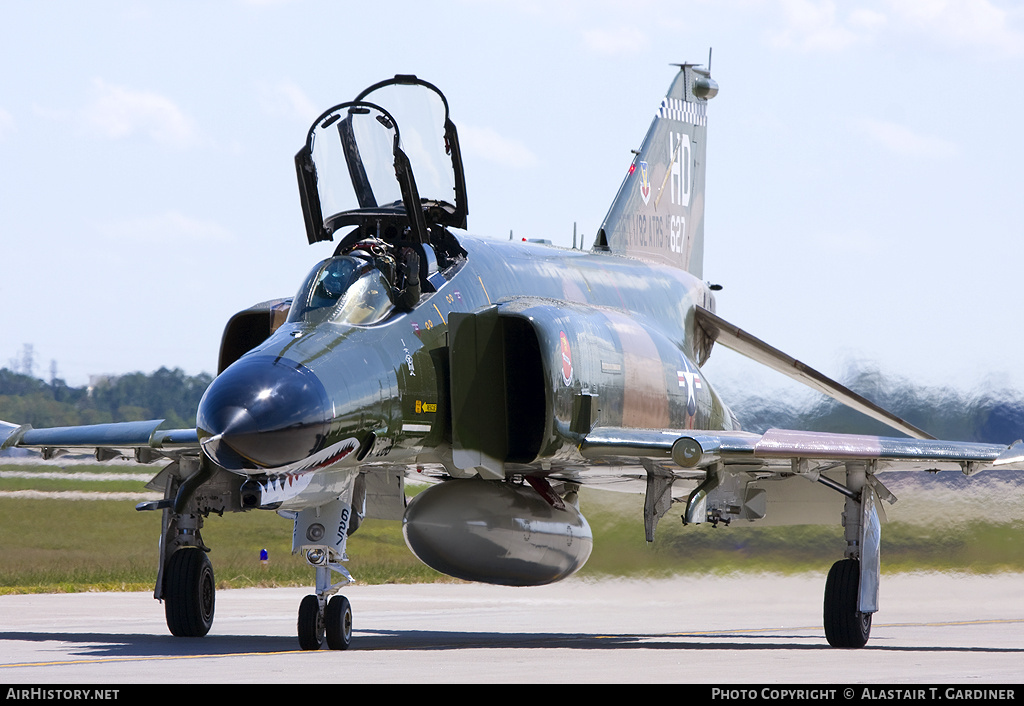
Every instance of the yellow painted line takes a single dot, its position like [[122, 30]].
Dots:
[[953, 623], [485, 289], [440, 314]]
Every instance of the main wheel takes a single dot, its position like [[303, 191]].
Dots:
[[338, 621], [311, 624], [845, 626], [189, 593]]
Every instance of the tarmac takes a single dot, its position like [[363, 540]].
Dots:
[[721, 630]]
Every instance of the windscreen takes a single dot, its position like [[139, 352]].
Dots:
[[343, 289]]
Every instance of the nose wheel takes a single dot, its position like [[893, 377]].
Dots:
[[331, 619], [311, 623], [338, 623]]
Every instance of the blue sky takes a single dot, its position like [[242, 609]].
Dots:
[[864, 162]]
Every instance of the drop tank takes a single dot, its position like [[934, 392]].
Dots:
[[496, 532]]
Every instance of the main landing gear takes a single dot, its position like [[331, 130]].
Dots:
[[185, 581], [851, 589], [189, 593]]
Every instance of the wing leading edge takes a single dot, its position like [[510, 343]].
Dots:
[[738, 340]]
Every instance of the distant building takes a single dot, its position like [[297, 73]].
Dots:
[[98, 380]]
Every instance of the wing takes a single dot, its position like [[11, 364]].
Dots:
[[781, 477], [786, 448], [146, 441]]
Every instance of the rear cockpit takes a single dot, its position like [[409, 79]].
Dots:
[[388, 165]]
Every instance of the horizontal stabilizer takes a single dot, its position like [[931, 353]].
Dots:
[[738, 340]]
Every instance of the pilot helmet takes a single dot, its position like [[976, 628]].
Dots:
[[377, 254]]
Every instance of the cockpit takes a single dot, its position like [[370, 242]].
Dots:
[[387, 166], [344, 289], [383, 174]]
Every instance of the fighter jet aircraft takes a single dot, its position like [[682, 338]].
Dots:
[[511, 373]]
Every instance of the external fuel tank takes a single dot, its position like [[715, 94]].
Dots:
[[496, 532]]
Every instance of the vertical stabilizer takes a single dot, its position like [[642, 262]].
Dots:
[[658, 214]]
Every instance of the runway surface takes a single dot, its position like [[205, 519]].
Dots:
[[741, 629]]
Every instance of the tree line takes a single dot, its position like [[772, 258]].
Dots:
[[165, 394]]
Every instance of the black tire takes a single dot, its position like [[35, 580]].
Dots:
[[845, 626], [338, 621], [189, 593], [311, 624]]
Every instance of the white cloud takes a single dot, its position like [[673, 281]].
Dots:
[[904, 141], [118, 112], [486, 143], [814, 25], [963, 22], [170, 227]]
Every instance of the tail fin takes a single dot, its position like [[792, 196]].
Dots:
[[658, 214]]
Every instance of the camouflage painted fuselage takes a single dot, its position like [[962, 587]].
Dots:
[[612, 329]]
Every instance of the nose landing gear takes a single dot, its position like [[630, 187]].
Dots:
[[322, 615], [321, 533]]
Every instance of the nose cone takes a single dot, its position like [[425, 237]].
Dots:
[[263, 412]]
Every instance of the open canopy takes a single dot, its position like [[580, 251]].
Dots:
[[390, 158]]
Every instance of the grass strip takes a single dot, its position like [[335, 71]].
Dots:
[[104, 545]]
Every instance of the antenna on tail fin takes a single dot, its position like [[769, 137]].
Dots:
[[658, 214]]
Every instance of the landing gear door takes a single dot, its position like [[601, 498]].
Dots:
[[870, 556]]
